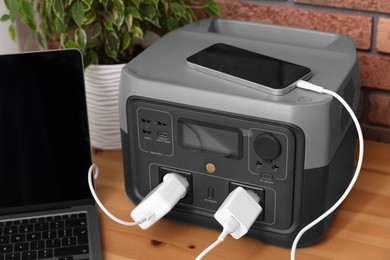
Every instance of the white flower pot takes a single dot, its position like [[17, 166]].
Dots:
[[102, 86]]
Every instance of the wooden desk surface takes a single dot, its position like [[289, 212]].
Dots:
[[360, 230]]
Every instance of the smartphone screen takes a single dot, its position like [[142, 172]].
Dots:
[[249, 68]]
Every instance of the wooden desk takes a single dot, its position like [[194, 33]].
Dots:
[[360, 230]]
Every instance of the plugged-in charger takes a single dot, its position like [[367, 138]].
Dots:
[[155, 205], [243, 206], [161, 200], [237, 214], [260, 192], [188, 198]]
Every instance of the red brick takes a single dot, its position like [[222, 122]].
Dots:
[[365, 5], [379, 108], [357, 26], [383, 35], [374, 71], [380, 134]]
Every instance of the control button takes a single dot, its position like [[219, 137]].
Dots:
[[210, 167], [267, 147]]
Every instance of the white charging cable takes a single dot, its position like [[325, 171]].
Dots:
[[309, 86], [155, 205], [236, 214]]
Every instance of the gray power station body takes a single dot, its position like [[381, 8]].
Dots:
[[162, 103]]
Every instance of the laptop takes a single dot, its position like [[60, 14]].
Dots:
[[46, 208]]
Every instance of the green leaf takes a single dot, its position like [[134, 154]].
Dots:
[[212, 8], [4, 18], [155, 2], [48, 26], [126, 41], [149, 12], [28, 11], [90, 17], [178, 9], [129, 22], [108, 25], [81, 37], [111, 45], [87, 4], [107, 21], [113, 41], [7, 4], [64, 38], [90, 58], [60, 27], [105, 3], [67, 2], [41, 38], [30, 24], [137, 32], [172, 23], [13, 10], [12, 32], [136, 3], [165, 4], [72, 44], [48, 5], [58, 9], [155, 21], [118, 13], [131, 10], [190, 16], [78, 13], [96, 31], [90, 45]]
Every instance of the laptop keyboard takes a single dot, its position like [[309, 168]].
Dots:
[[62, 237]]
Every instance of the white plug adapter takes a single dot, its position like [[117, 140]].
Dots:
[[243, 207], [161, 200]]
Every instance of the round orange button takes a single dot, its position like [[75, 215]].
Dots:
[[210, 167]]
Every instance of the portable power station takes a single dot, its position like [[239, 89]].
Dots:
[[295, 150]]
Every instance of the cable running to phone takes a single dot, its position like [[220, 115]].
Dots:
[[309, 86]]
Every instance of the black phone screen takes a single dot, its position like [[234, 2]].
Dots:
[[250, 66]]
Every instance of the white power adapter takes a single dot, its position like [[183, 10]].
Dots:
[[236, 214], [243, 206], [160, 200], [155, 205]]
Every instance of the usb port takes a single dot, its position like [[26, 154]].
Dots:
[[161, 123], [146, 121], [147, 132]]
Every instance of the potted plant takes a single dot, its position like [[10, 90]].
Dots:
[[107, 33]]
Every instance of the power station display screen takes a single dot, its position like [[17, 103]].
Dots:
[[201, 136]]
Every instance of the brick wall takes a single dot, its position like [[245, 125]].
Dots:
[[366, 21]]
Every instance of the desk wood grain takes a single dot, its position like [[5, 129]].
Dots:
[[360, 230]]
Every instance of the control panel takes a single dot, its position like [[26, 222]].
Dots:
[[216, 152]]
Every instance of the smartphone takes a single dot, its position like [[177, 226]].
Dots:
[[251, 69]]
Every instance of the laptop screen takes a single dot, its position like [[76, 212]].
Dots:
[[44, 141]]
